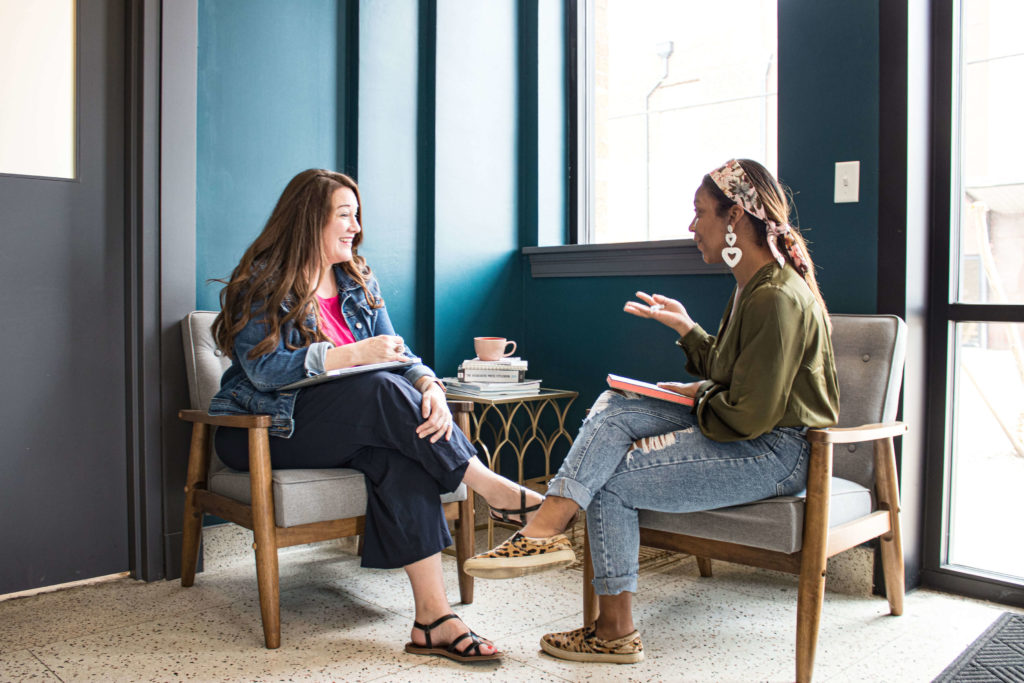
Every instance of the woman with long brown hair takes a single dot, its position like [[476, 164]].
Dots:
[[766, 377], [302, 302]]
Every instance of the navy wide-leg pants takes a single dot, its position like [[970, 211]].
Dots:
[[368, 423]]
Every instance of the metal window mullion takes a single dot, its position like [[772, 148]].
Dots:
[[586, 54], [985, 313]]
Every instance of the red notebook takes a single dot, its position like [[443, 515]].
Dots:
[[647, 389]]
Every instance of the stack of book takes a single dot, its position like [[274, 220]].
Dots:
[[505, 378]]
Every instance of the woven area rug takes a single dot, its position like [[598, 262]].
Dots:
[[997, 655]]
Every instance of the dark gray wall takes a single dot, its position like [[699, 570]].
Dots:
[[65, 485]]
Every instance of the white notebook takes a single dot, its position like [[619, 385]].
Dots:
[[348, 372]]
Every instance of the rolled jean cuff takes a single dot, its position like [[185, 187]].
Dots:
[[563, 487], [613, 585]]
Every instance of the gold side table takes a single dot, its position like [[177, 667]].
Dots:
[[495, 430]]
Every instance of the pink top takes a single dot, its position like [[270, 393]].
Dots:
[[332, 322]]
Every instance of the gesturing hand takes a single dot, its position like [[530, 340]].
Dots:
[[666, 311]]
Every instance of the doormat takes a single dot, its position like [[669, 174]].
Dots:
[[996, 655], [651, 559]]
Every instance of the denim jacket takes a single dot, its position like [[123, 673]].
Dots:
[[250, 385]]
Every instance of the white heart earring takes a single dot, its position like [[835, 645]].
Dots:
[[731, 254]]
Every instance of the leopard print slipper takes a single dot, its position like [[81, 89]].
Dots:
[[520, 555], [583, 645]]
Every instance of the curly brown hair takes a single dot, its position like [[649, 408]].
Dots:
[[279, 266]]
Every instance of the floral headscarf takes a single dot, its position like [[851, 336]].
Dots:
[[733, 182]]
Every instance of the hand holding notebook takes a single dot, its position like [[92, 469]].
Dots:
[[647, 389]]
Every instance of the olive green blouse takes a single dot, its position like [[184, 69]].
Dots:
[[771, 364]]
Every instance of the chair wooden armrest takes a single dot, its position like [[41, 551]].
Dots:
[[243, 421], [872, 432], [249, 421]]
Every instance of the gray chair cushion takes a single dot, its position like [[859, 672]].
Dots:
[[306, 496], [773, 524], [869, 352], [300, 496]]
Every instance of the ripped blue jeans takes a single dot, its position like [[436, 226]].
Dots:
[[635, 453]]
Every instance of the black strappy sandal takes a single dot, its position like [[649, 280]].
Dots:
[[471, 653], [504, 514]]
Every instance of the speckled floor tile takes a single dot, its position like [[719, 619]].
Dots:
[[341, 622], [933, 630], [22, 665], [325, 636], [698, 636], [507, 669], [49, 617], [498, 607]]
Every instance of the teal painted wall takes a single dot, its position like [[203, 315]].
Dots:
[[478, 290], [388, 63], [829, 112], [577, 332], [268, 107], [474, 281]]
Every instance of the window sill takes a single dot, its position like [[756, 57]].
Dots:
[[667, 257]]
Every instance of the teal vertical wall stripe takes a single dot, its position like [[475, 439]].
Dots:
[[267, 103], [829, 112], [348, 88], [527, 124], [388, 148], [478, 265], [426, 159]]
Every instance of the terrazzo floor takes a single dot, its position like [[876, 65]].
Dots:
[[343, 623]]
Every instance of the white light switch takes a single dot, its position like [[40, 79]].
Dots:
[[847, 182]]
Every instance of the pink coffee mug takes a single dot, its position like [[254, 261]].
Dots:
[[492, 348]]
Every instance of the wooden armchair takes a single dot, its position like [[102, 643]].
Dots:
[[285, 507], [844, 505]]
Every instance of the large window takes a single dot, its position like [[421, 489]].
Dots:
[[981, 310], [673, 89]]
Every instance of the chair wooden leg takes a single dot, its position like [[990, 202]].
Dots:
[[808, 621], [192, 528], [591, 608], [891, 544], [813, 559], [704, 566], [465, 545], [265, 534]]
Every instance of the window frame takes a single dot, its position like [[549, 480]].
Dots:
[[944, 313], [581, 258]]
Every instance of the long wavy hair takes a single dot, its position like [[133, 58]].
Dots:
[[778, 206], [283, 264]]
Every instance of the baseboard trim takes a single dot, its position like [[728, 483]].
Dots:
[[62, 586]]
